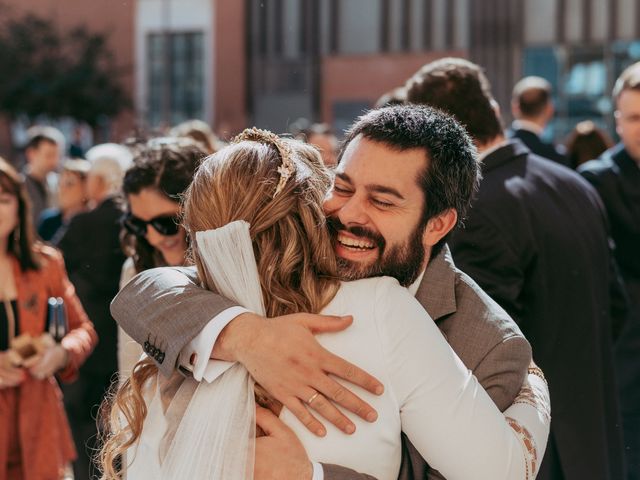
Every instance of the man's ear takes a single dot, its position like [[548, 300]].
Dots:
[[438, 226]]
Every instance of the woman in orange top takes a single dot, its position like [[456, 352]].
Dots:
[[35, 440]]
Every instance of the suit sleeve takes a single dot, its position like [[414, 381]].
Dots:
[[504, 368], [166, 307], [336, 472], [481, 252]]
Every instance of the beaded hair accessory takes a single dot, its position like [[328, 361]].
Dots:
[[287, 168]]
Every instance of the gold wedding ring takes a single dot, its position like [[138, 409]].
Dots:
[[312, 398]]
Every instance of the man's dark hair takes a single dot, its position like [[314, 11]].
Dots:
[[531, 95], [452, 171], [460, 88]]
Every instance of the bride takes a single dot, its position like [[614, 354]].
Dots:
[[254, 212]]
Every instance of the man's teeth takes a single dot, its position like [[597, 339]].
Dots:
[[355, 243]]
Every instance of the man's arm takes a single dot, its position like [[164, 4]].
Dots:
[[504, 368], [167, 309]]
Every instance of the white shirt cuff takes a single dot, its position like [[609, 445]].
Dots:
[[318, 472], [200, 348]]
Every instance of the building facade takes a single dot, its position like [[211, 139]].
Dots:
[[235, 63]]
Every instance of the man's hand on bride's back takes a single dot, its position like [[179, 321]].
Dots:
[[284, 357]]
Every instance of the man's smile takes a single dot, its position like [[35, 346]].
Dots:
[[361, 250], [355, 242]]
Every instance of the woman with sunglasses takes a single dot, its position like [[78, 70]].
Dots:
[[152, 236]]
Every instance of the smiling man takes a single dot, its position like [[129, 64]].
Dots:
[[405, 178], [376, 242]]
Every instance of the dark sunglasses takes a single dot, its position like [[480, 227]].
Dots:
[[166, 225]]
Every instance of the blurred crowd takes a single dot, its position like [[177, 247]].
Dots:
[[77, 225]]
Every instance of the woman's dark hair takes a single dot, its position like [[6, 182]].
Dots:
[[22, 239], [166, 165], [586, 142]]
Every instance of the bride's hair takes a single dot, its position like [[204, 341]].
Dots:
[[293, 250]]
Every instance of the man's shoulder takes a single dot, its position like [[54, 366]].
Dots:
[[479, 324], [606, 165], [475, 304]]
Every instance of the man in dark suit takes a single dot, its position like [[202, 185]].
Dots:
[[93, 257], [532, 110], [535, 240], [616, 176]]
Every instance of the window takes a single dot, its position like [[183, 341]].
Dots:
[[175, 77]]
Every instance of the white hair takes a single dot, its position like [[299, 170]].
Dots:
[[110, 161]]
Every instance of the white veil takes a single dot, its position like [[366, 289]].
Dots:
[[206, 430]]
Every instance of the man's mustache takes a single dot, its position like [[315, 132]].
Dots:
[[335, 225]]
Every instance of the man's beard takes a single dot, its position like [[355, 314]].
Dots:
[[402, 262]]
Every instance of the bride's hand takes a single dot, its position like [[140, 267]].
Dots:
[[284, 357], [279, 453]]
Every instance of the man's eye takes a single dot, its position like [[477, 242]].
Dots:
[[382, 204], [339, 190]]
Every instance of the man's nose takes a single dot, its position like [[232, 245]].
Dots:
[[353, 212]]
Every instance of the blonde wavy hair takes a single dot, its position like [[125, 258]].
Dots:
[[293, 250]]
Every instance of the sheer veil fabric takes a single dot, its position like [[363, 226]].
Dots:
[[206, 430]]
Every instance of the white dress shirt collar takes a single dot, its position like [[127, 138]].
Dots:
[[413, 288], [527, 125]]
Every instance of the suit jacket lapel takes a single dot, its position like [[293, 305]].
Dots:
[[437, 292]]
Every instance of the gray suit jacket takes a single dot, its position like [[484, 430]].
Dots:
[[165, 309]]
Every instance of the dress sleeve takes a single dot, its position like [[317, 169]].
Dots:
[[81, 338], [444, 411]]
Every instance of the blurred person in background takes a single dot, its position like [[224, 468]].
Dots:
[[152, 235], [72, 199], [586, 142], [42, 154], [536, 241], [35, 440], [76, 150], [321, 136], [532, 110], [200, 132], [616, 176], [94, 258], [397, 96]]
